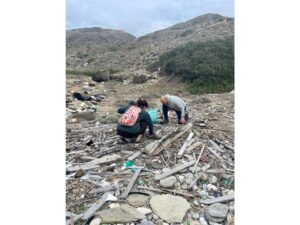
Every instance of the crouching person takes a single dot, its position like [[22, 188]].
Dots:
[[174, 103], [134, 121]]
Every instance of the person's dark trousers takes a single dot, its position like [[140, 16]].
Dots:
[[124, 134], [166, 110], [143, 127]]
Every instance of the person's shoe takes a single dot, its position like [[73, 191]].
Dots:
[[164, 121], [186, 116]]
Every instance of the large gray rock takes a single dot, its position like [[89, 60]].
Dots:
[[217, 210], [171, 209], [214, 219], [123, 214], [168, 182], [138, 200]]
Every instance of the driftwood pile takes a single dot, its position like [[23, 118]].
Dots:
[[189, 161]]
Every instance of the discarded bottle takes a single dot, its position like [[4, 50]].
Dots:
[[128, 163]]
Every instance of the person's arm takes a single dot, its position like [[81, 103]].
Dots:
[[148, 120]]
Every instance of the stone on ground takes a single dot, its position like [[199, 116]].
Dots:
[[218, 210], [123, 214], [95, 221], [171, 209], [168, 182], [138, 200]]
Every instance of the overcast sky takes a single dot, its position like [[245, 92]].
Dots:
[[140, 17]]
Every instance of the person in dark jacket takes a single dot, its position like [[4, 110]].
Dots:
[[139, 128]]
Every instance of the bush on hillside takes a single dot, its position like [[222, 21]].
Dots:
[[209, 66]]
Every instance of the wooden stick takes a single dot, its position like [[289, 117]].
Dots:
[[198, 159], [134, 156], [185, 145], [154, 148], [193, 146], [104, 189], [131, 183], [91, 211], [94, 163], [215, 154], [165, 191], [174, 170], [225, 198], [216, 146], [74, 219]]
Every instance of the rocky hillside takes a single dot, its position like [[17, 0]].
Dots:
[[100, 49]]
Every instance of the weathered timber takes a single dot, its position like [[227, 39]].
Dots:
[[96, 206], [175, 170], [134, 156], [131, 183], [104, 189], [198, 158], [225, 198], [154, 148], [93, 164], [193, 146], [185, 145]]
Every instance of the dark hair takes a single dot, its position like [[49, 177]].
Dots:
[[142, 103]]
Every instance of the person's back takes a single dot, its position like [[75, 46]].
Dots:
[[175, 103], [141, 123]]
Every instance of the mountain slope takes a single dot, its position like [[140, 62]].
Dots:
[[136, 53]]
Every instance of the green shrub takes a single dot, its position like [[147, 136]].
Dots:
[[100, 76], [113, 49], [113, 71], [209, 66]]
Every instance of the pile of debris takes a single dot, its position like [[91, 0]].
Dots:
[[84, 101], [185, 177]]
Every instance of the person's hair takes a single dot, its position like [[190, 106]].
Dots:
[[142, 103]]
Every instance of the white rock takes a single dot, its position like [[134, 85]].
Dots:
[[143, 210], [203, 221], [95, 221], [211, 187], [110, 197], [213, 179], [114, 205]]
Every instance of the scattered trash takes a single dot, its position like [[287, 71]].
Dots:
[[186, 177]]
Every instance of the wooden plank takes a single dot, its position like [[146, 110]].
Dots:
[[175, 170], [91, 211], [193, 146], [74, 219], [198, 158], [155, 147], [203, 169], [134, 156], [215, 154], [216, 146], [185, 144], [163, 190], [225, 198], [131, 183], [94, 163], [104, 189]]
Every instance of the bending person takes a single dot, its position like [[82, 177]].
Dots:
[[175, 103]]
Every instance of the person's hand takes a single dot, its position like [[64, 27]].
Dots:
[[182, 120]]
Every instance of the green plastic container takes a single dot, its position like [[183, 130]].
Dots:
[[153, 115]]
